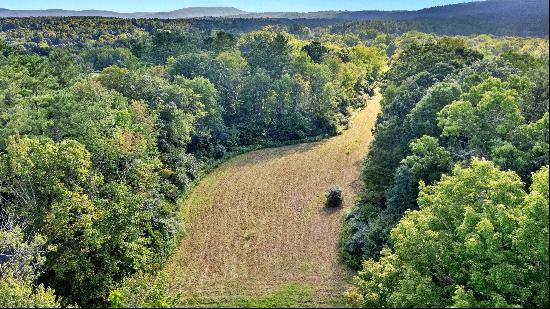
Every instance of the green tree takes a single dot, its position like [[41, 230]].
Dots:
[[21, 294], [466, 246], [143, 290], [428, 160], [256, 107], [422, 120], [20, 263], [93, 230], [316, 51], [489, 112], [269, 51], [100, 58], [221, 42], [164, 44]]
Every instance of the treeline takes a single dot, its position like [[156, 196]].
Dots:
[[498, 17], [98, 144], [394, 42], [40, 35], [437, 223]]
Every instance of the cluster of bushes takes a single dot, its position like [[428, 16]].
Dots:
[[444, 106]]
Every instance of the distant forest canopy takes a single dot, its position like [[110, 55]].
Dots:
[[39, 34], [497, 17]]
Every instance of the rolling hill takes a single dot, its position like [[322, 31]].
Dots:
[[497, 17], [190, 12], [510, 8]]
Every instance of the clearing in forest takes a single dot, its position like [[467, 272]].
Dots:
[[257, 232]]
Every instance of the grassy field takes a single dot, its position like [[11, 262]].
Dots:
[[257, 234]]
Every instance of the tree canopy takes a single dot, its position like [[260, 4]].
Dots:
[[477, 240]]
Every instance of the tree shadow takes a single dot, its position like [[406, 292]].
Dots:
[[327, 211], [265, 154]]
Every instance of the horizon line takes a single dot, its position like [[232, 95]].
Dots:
[[232, 7]]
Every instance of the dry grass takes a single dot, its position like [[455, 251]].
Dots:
[[257, 223]]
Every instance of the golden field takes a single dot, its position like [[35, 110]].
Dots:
[[256, 227]]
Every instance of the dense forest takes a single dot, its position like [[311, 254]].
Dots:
[[106, 124], [100, 141], [448, 110]]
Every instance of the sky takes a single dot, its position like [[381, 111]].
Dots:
[[246, 5]]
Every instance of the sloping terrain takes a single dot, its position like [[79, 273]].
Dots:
[[497, 17], [190, 12], [257, 232], [508, 8]]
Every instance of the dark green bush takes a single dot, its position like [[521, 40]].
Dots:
[[335, 197]]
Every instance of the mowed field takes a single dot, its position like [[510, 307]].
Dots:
[[257, 232]]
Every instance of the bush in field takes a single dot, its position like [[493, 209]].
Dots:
[[335, 197]]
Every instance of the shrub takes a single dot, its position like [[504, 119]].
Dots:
[[143, 290], [335, 197]]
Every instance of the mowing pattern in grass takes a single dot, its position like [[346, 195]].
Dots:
[[257, 227]]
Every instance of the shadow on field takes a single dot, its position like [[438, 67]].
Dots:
[[258, 156], [327, 211]]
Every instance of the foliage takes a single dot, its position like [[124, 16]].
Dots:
[[20, 263], [408, 87], [50, 189], [21, 294], [465, 246], [105, 124], [104, 131], [440, 109], [316, 51], [334, 197], [102, 57], [142, 290]]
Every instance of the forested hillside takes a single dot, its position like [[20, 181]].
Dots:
[[107, 124], [498, 17], [190, 12], [99, 142], [446, 108]]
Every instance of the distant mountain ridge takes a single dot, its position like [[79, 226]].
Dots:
[[514, 9], [191, 12]]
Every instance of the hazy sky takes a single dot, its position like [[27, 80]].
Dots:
[[247, 5]]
